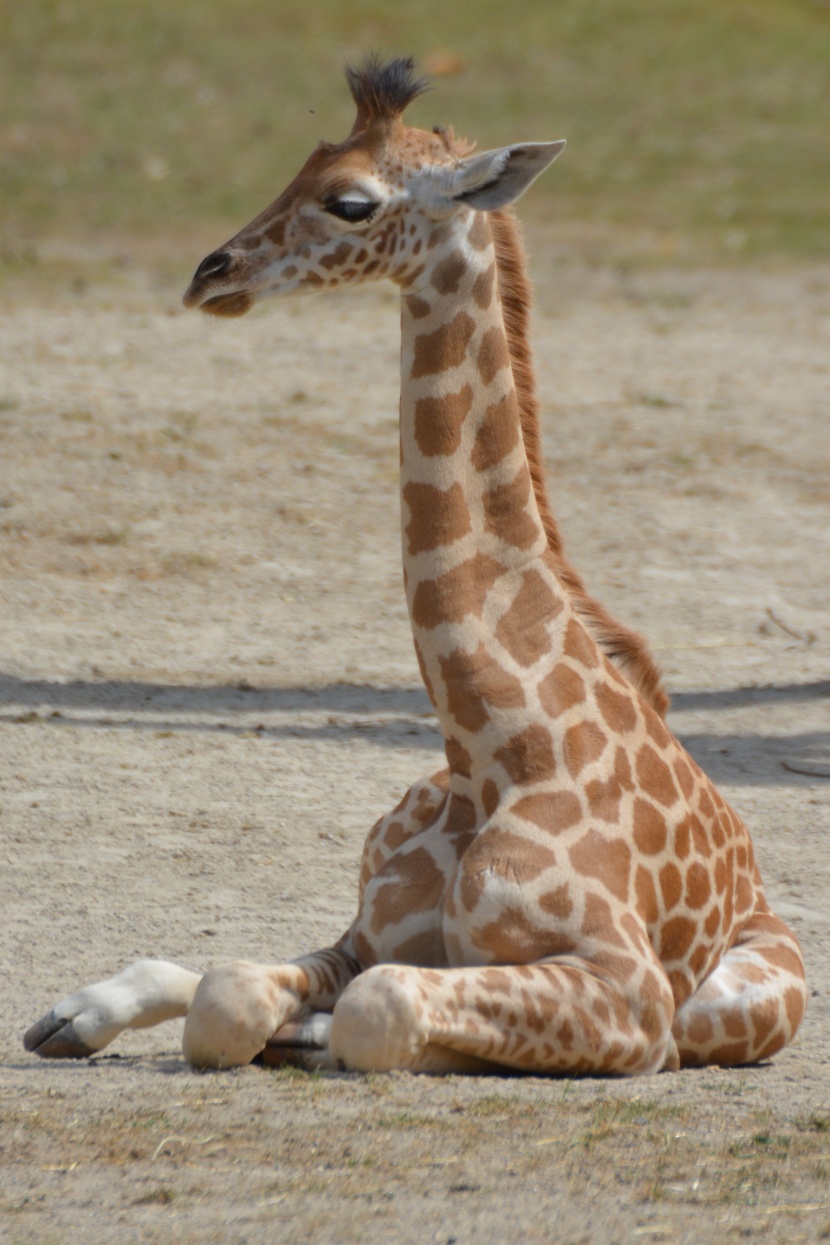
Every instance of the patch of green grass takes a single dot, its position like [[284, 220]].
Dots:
[[817, 1123], [612, 1115], [289, 1072], [763, 1142], [699, 123]]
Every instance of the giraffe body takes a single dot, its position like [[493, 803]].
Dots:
[[571, 894]]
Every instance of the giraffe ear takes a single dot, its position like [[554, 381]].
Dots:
[[494, 179]]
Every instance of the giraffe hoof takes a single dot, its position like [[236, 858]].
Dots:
[[55, 1038]]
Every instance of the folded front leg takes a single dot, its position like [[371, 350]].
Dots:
[[144, 994], [558, 1016], [238, 1007], [231, 1011]]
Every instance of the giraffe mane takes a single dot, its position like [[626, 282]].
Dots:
[[626, 648], [383, 90]]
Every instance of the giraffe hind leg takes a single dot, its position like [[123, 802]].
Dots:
[[751, 1005], [549, 1017]]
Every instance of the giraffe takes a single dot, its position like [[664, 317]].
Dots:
[[570, 894]]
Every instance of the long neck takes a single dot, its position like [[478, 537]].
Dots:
[[483, 597]]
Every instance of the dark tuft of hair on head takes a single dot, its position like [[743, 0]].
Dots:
[[383, 90]]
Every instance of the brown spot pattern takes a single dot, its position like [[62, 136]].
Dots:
[[617, 709], [417, 307], [409, 882], [505, 512], [475, 682], [498, 433], [583, 744], [698, 886], [483, 287], [427, 681], [604, 797], [479, 235], [501, 853], [439, 517], [337, 257], [649, 826], [461, 822], [684, 776], [515, 938], [598, 922], [557, 902], [676, 937], [458, 758], [396, 834], [647, 905], [493, 354], [452, 596], [425, 948], [671, 886], [560, 690], [438, 422], [579, 646], [528, 756], [655, 777], [489, 796], [445, 348], [656, 728], [607, 860], [523, 628], [553, 811], [446, 276]]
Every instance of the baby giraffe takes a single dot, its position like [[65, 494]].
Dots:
[[571, 894]]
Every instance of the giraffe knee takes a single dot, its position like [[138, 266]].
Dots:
[[230, 1019], [375, 1026]]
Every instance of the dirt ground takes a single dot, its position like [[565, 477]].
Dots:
[[209, 694]]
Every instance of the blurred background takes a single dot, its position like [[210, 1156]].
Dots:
[[149, 130]]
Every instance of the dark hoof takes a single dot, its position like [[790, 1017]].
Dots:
[[54, 1038], [301, 1044]]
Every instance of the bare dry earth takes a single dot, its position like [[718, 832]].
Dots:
[[209, 694]]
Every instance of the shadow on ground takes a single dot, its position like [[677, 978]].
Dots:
[[396, 717]]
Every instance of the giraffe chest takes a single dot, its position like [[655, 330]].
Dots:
[[465, 894], [402, 909]]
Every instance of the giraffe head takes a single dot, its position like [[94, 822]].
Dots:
[[365, 208]]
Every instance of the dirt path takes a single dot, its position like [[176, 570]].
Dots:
[[209, 693]]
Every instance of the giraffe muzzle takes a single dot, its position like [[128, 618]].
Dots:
[[211, 271]]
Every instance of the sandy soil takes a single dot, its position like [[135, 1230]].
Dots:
[[209, 694]]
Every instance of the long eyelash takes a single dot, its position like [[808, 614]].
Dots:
[[351, 210]]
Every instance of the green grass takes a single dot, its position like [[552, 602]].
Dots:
[[702, 126]]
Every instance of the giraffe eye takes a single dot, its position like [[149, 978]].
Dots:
[[352, 210]]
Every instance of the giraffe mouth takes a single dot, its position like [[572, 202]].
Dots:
[[235, 304]]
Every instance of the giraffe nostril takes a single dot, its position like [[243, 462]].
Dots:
[[214, 265]]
